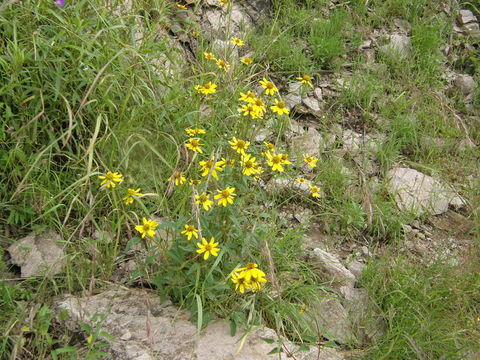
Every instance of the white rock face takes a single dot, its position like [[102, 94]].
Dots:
[[329, 265], [145, 329], [399, 44], [419, 193], [311, 103], [333, 321], [38, 255], [307, 143], [465, 84], [354, 142], [465, 17]]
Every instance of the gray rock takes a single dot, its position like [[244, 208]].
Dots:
[[283, 184], [472, 29], [294, 87], [332, 320], [465, 84], [292, 100], [225, 49], [219, 22], [318, 93], [329, 266], [308, 143], [38, 255], [143, 328], [356, 268], [311, 103], [399, 45], [419, 193], [354, 142], [465, 17]]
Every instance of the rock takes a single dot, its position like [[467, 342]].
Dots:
[[311, 103], [292, 100], [309, 143], [354, 142], [356, 268], [332, 321], [472, 29], [399, 45], [465, 17], [38, 255], [141, 327], [318, 93], [295, 129], [419, 193], [294, 87], [224, 49], [221, 23], [283, 184], [329, 266], [366, 323], [465, 84]]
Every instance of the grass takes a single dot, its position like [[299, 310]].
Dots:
[[80, 95]]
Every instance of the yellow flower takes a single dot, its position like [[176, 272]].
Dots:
[[237, 41], [209, 56], [180, 6], [226, 196], [240, 282], [270, 147], [206, 89], [305, 79], [259, 106], [109, 179], [208, 248], [213, 166], [248, 97], [222, 64], [302, 181], [285, 160], [310, 160], [270, 88], [194, 145], [280, 108], [190, 231], [131, 193], [222, 2], [228, 162], [239, 145], [178, 178], [303, 308], [252, 276], [249, 165], [194, 182], [247, 61], [314, 190], [204, 199], [193, 132], [147, 228], [275, 161], [249, 109]]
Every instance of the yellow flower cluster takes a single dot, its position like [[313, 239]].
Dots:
[[247, 278]]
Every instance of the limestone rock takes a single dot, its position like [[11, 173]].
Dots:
[[143, 328], [399, 45], [465, 84], [38, 255], [308, 143], [311, 103], [224, 48], [356, 268], [329, 265], [354, 142], [332, 320], [417, 192], [465, 17], [292, 100]]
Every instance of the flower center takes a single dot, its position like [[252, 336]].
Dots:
[[248, 164], [208, 247], [259, 102], [281, 104], [194, 142], [276, 159], [250, 266], [269, 85], [306, 78], [146, 227], [190, 228], [209, 164], [110, 176], [177, 175], [240, 144], [207, 86], [203, 198], [225, 193]]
